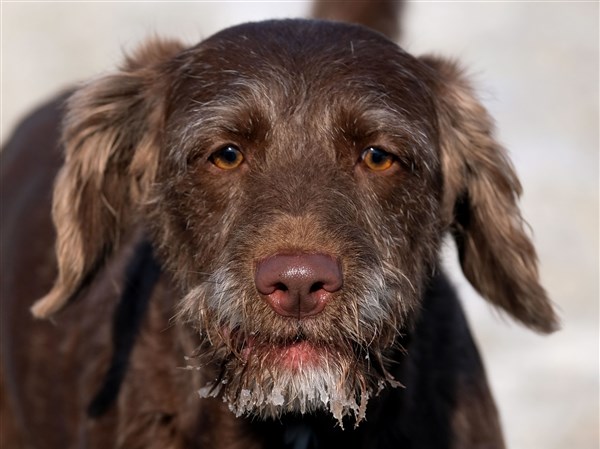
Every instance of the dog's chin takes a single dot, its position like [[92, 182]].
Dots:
[[300, 377]]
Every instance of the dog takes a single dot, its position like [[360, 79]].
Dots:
[[247, 238]]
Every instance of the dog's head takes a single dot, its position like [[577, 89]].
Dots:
[[296, 178]]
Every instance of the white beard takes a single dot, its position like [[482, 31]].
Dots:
[[270, 391]]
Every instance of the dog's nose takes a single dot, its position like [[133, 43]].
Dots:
[[298, 285]]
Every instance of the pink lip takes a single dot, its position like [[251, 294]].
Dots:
[[298, 354], [292, 356]]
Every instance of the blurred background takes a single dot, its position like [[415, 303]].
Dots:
[[536, 67]]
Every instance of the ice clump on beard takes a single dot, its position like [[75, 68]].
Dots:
[[269, 388]]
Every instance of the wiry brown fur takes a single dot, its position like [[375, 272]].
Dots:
[[302, 100], [110, 132], [481, 192]]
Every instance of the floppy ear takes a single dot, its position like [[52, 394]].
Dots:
[[110, 136], [481, 191]]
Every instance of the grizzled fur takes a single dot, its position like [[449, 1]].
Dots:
[[302, 100]]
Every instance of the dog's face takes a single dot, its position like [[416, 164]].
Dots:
[[301, 154], [296, 178]]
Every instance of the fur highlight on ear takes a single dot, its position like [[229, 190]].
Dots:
[[110, 135], [481, 191]]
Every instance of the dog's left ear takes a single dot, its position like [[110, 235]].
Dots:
[[111, 136], [481, 190]]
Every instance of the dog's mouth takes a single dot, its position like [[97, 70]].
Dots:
[[268, 377], [296, 354], [272, 366]]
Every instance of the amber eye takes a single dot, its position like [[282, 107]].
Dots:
[[227, 158], [376, 159]]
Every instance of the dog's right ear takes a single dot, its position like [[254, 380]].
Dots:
[[111, 133]]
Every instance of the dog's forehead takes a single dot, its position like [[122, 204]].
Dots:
[[291, 63]]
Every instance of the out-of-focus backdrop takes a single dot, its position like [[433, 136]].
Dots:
[[536, 66]]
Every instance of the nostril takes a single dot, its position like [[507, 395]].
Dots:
[[316, 287], [281, 286]]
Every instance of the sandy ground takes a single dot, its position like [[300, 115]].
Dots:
[[536, 64]]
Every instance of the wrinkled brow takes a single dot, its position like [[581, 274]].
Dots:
[[248, 109]]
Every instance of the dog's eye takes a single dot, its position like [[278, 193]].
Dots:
[[376, 159], [227, 158]]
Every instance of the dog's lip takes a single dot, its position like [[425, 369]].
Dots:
[[291, 355], [298, 354]]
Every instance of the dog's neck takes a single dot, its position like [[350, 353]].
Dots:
[[299, 436]]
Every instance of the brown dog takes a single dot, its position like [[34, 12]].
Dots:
[[282, 190]]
